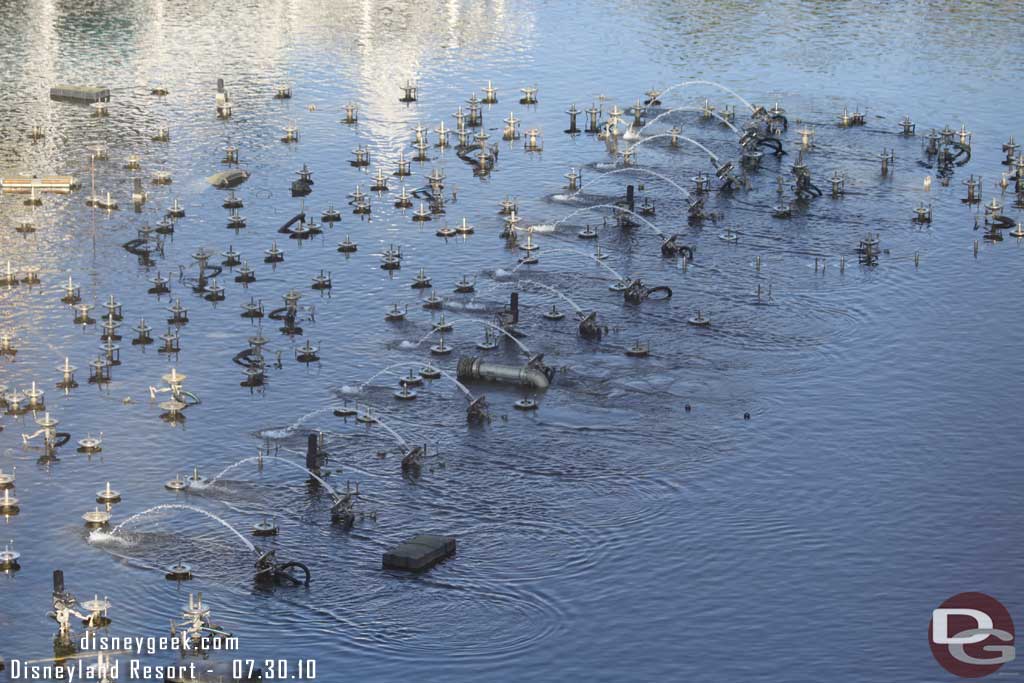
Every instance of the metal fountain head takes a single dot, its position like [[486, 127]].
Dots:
[[47, 430], [9, 558], [477, 410], [268, 569], [589, 328], [64, 606]]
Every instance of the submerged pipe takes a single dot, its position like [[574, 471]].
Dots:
[[534, 374]]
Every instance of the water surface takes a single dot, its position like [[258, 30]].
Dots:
[[611, 535]]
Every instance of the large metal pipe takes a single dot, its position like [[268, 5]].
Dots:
[[534, 374]]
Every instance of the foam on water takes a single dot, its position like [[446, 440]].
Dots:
[[276, 434], [468, 306], [101, 537]]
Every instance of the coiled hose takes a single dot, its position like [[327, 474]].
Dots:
[[774, 143], [134, 247], [281, 572], [962, 151]]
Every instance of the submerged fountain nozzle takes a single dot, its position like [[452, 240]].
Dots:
[[265, 528], [96, 518], [179, 572], [589, 327], [923, 214], [351, 113], [908, 125], [573, 113], [9, 560], [308, 353], [8, 503], [888, 158], [176, 484], [593, 118], [108, 495], [409, 92], [7, 347]]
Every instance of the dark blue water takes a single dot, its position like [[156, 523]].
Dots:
[[611, 535]]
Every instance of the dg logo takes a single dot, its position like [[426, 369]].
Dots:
[[971, 635]]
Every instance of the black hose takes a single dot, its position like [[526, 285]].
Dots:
[[301, 216], [661, 289], [774, 143], [281, 571], [134, 246], [244, 359], [475, 161], [638, 293], [963, 150], [808, 189], [62, 438]]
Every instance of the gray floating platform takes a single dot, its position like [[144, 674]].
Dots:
[[80, 93], [419, 553], [230, 178]]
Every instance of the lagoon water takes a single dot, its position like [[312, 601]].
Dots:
[[611, 535]]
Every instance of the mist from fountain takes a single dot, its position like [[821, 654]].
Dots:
[[687, 84], [176, 506], [479, 322], [633, 169], [700, 109]]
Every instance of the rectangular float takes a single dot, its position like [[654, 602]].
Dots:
[[80, 93], [53, 183], [419, 553]]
